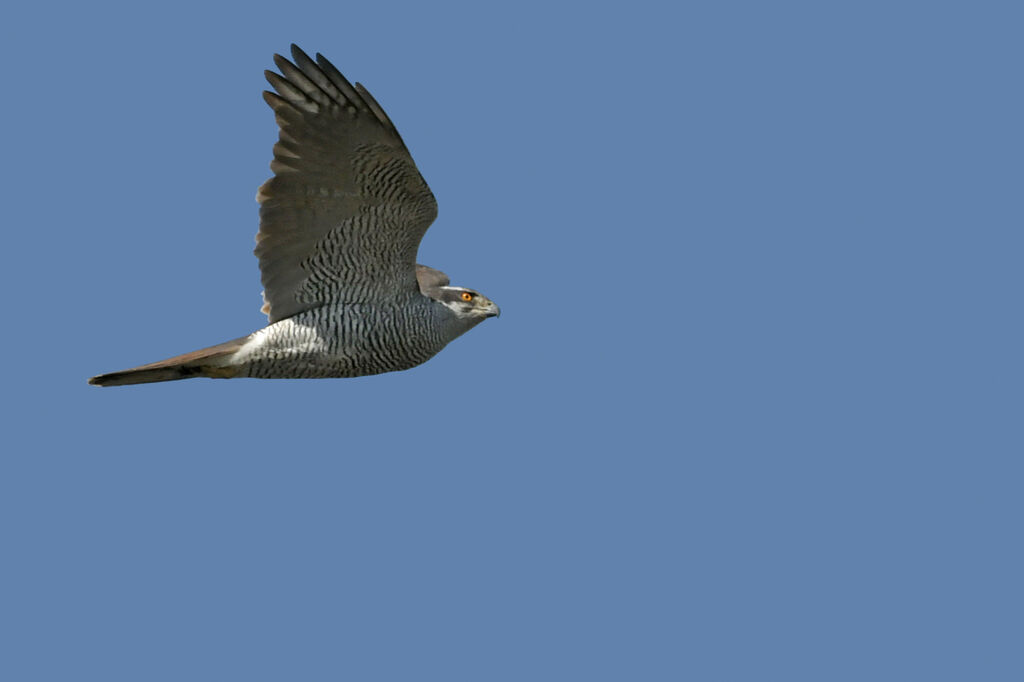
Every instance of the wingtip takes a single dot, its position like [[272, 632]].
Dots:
[[298, 54], [273, 99], [283, 63]]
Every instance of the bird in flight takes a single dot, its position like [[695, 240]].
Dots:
[[340, 224]]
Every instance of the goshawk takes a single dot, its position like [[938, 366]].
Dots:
[[340, 224]]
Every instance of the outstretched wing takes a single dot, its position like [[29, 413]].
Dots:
[[342, 218]]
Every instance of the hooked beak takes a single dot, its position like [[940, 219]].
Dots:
[[493, 310]]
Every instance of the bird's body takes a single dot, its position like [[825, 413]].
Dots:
[[340, 224], [350, 340]]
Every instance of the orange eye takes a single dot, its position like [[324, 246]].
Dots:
[[466, 296]]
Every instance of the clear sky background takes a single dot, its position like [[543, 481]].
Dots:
[[752, 410]]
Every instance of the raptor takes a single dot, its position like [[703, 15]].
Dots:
[[340, 224]]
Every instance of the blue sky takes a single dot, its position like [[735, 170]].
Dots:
[[752, 409]]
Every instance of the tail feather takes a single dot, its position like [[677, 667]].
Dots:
[[207, 362]]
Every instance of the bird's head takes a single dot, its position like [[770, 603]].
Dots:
[[467, 304]]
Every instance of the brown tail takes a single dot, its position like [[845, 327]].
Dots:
[[208, 362]]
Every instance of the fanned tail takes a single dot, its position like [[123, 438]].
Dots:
[[208, 362]]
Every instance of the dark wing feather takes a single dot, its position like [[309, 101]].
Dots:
[[431, 281], [342, 218]]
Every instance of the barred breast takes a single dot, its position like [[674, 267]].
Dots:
[[348, 340]]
